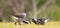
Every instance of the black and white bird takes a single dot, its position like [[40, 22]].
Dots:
[[19, 18], [41, 21]]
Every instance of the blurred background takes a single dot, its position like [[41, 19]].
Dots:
[[33, 8]]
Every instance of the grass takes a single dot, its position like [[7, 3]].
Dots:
[[54, 24]]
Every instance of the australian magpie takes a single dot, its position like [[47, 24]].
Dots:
[[41, 21]]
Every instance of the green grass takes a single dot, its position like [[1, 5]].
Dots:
[[54, 24]]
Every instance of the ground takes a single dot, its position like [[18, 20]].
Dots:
[[54, 24]]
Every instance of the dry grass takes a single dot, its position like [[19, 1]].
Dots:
[[47, 25]]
